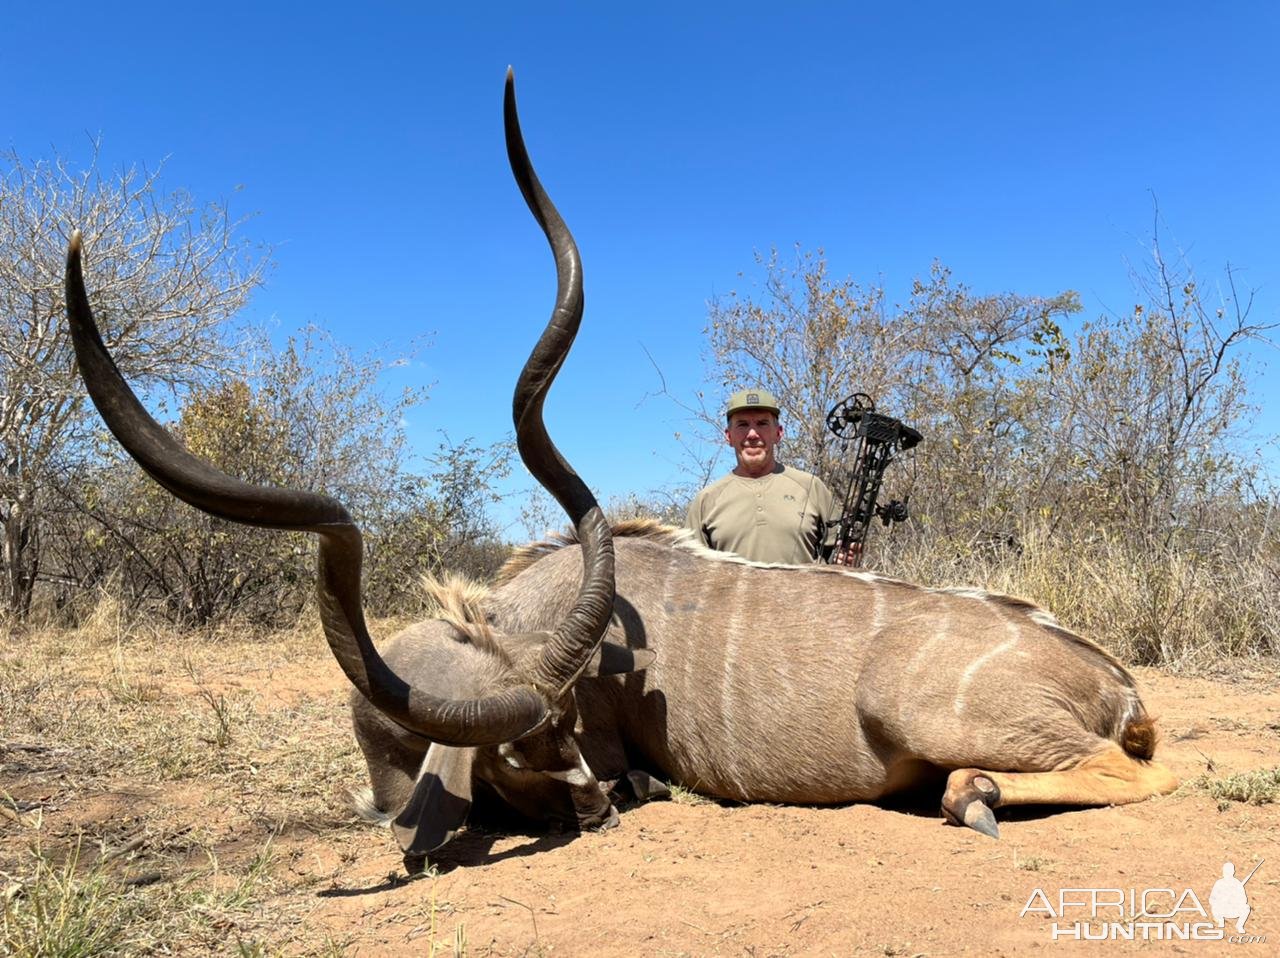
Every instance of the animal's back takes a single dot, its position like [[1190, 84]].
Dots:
[[817, 685]]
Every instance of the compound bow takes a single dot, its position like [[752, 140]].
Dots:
[[876, 440]]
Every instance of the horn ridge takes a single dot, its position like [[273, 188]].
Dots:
[[536, 447], [566, 654]]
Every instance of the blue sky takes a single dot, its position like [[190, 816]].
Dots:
[[1018, 143]]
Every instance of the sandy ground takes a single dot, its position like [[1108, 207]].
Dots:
[[704, 878]]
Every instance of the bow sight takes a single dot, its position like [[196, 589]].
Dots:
[[876, 439]]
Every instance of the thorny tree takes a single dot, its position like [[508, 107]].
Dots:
[[1156, 404], [309, 414], [1129, 424], [809, 339], [946, 362], [167, 274]]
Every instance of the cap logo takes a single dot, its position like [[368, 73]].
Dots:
[[753, 397]]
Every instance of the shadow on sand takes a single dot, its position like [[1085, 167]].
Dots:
[[473, 847]]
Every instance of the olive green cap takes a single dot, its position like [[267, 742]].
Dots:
[[752, 399]]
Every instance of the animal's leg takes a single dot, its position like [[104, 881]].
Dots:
[[1111, 777], [969, 798]]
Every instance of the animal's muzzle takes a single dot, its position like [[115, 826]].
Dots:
[[602, 820], [593, 809]]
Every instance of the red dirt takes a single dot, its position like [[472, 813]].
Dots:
[[709, 879]]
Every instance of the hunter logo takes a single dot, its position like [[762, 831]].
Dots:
[[1228, 898], [1148, 914]]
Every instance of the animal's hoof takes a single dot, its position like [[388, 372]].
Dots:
[[980, 818], [968, 801], [645, 787]]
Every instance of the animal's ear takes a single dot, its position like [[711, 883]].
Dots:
[[440, 801], [611, 659]]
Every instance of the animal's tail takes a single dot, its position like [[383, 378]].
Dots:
[[1139, 737]]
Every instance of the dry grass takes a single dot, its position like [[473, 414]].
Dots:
[[58, 909], [59, 903], [1182, 610], [191, 863], [685, 796]]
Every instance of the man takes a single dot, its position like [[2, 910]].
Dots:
[[763, 511]]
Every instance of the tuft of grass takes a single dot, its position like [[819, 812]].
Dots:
[[436, 941], [55, 911], [1257, 787], [107, 623], [684, 796], [124, 685], [245, 892], [221, 737]]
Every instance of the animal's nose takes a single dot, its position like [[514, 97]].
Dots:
[[603, 820], [602, 815]]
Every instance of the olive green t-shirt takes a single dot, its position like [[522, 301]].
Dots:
[[787, 516]]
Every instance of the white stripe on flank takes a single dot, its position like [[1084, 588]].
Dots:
[[666, 588], [1131, 709], [736, 611], [974, 667], [728, 700], [878, 616], [924, 654], [698, 601]]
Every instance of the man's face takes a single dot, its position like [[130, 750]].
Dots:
[[753, 433]]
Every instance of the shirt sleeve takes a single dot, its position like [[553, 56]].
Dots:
[[693, 520], [830, 516]]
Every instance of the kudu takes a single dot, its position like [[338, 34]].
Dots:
[[738, 680]]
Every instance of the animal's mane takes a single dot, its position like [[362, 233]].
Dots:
[[527, 555], [459, 601], [679, 538]]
